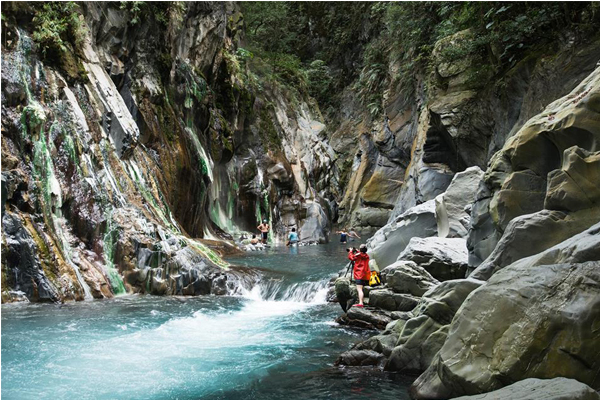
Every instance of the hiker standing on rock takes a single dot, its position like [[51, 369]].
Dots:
[[264, 231], [362, 273]]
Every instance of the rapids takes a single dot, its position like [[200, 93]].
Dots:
[[277, 340]]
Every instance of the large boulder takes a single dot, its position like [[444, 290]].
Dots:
[[526, 322], [389, 241], [450, 206], [533, 233], [423, 335], [315, 226], [443, 258], [582, 247], [407, 277], [388, 300], [535, 389]]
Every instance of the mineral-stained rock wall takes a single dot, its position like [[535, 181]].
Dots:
[[142, 138]]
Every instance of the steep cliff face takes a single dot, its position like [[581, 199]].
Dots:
[[458, 116], [147, 136]]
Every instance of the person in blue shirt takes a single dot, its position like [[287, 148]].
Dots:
[[292, 238]]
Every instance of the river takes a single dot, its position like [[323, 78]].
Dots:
[[276, 341]]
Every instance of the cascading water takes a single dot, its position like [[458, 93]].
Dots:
[[276, 291], [275, 340]]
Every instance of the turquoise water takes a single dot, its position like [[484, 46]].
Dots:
[[276, 341]]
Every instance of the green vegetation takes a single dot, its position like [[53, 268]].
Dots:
[[162, 11], [328, 46], [57, 26], [267, 129]]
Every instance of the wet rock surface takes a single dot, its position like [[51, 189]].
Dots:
[[359, 358]]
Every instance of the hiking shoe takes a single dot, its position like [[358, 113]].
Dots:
[[358, 305]]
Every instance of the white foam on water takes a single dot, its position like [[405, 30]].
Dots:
[[220, 348]]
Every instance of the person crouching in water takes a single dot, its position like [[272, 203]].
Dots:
[[292, 238], [362, 273]]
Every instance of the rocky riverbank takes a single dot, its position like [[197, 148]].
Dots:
[[529, 308]]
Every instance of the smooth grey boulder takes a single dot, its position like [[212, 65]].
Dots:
[[443, 258], [360, 358], [407, 277], [444, 300], [388, 300], [345, 292], [423, 336], [582, 247], [432, 180], [525, 322], [452, 218], [429, 386], [533, 233], [418, 344], [537, 389], [389, 241]]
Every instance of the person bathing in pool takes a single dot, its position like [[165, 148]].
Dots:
[[343, 236], [362, 273], [352, 234], [264, 231]]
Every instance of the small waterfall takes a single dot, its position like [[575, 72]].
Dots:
[[275, 291]]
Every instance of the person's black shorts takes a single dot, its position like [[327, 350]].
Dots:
[[265, 235], [361, 282]]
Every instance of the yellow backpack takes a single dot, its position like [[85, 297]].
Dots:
[[374, 281]]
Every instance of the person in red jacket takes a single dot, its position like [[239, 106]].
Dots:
[[362, 273]]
